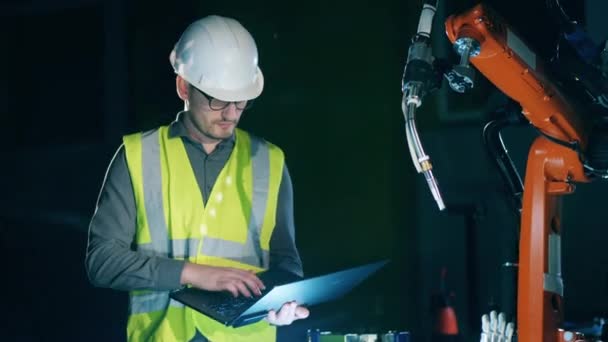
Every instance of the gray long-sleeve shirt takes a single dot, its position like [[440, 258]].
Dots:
[[111, 259]]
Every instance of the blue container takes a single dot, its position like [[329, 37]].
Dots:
[[396, 336], [313, 335]]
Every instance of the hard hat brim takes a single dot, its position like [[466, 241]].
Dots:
[[244, 94]]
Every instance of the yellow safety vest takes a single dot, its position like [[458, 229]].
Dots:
[[233, 229]]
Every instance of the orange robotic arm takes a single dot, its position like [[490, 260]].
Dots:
[[504, 59]]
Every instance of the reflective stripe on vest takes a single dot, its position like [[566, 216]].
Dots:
[[151, 301], [153, 195]]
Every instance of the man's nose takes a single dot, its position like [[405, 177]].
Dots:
[[230, 112]]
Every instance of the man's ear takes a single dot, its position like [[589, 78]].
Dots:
[[182, 87]]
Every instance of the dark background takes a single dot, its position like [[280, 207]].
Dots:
[[78, 74]]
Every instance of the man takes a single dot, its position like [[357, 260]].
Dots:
[[198, 202]]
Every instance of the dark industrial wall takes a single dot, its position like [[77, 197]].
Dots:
[[78, 74]]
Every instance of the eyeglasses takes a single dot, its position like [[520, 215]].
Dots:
[[216, 104]]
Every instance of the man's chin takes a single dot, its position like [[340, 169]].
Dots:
[[223, 135]]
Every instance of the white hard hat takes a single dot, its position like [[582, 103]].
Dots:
[[218, 56]]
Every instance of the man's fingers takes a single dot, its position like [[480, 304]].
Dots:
[[253, 285], [240, 281], [242, 288], [252, 280], [287, 313], [258, 281], [302, 312], [236, 287], [292, 311], [272, 317], [283, 312], [231, 288], [233, 280]]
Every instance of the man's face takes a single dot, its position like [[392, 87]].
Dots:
[[214, 124]]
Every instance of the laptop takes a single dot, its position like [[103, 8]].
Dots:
[[281, 287]]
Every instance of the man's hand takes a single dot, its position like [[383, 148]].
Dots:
[[212, 278], [288, 313]]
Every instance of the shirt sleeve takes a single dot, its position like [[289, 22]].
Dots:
[[283, 252], [110, 259]]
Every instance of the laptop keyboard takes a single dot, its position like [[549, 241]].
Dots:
[[229, 306], [223, 305]]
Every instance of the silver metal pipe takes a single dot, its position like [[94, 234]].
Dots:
[[422, 162]]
